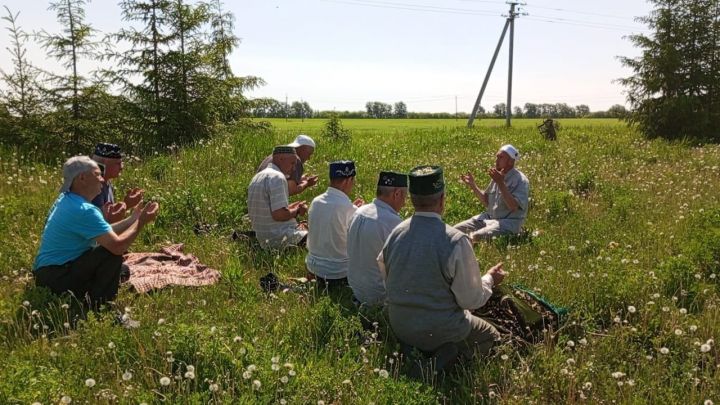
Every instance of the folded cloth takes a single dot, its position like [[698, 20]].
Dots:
[[152, 271]]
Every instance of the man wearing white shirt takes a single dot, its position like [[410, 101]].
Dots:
[[328, 222], [369, 228], [433, 278]]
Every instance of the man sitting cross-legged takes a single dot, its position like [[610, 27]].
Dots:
[[80, 251], [505, 198]]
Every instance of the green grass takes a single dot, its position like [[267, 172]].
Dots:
[[618, 222]]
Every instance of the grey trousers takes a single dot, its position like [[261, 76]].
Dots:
[[481, 339], [480, 227]]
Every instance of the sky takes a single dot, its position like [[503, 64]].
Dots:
[[432, 55]]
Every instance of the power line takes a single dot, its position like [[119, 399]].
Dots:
[[415, 7], [610, 25], [582, 12], [586, 25]]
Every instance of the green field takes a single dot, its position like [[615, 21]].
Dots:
[[626, 235]]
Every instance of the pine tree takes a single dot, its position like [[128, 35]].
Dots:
[[675, 88]]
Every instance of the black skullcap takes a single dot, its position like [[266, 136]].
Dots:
[[284, 149], [392, 179], [342, 169], [108, 150], [426, 180]]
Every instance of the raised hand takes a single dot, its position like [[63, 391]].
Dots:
[[311, 180], [498, 176], [468, 179], [149, 213], [133, 197], [497, 273], [114, 212]]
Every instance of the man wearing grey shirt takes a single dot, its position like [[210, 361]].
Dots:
[[370, 226], [505, 198], [432, 276]]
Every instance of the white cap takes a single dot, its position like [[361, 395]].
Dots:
[[511, 151], [302, 140], [75, 166]]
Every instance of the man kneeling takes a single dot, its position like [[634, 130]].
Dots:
[[80, 252], [433, 278]]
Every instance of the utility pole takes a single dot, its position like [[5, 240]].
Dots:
[[456, 116], [509, 22], [286, 108]]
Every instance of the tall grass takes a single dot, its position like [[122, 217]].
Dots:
[[625, 233]]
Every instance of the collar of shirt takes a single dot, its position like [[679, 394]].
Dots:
[[428, 214], [334, 193], [271, 165], [384, 206]]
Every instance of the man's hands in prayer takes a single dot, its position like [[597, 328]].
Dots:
[[358, 202], [498, 176], [469, 180], [301, 206], [114, 212], [133, 197], [148, 213], [497, 273], [310, 180]]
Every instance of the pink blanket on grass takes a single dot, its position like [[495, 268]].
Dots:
[[152, 271]]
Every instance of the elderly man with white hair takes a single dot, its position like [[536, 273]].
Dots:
[[80, 252], [505, 198]]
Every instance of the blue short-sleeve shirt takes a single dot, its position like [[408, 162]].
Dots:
[[70, 230]]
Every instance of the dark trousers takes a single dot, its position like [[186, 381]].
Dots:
[[94, 277]]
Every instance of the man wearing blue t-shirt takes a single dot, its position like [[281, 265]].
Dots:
[[80, 252]]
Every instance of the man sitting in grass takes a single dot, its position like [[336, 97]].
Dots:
[[297, 181], [505, 198], [80, 251], [432, 276], [328, 220], [273, 217], [109, 158], [369, 228]]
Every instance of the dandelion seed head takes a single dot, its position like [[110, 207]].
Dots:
[[165, 381], [65, 399], [127, 376], [90, 382], [256, 384], [705, 348], [214, 388], [383, 373], [631, 309], [664, 350], [284, 379], [678, 332]]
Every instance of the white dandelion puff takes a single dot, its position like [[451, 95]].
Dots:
[[90, 382]]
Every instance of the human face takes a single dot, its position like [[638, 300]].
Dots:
[[113, 167], [304, 152], [89, 183], [286, 163], [503, 161], [399, 198]]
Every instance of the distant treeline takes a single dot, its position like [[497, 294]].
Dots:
[[271, 108], [167, 80]]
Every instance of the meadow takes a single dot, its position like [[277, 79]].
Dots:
[[624, 232]]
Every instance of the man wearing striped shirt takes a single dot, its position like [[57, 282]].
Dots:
[[273, 217]]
